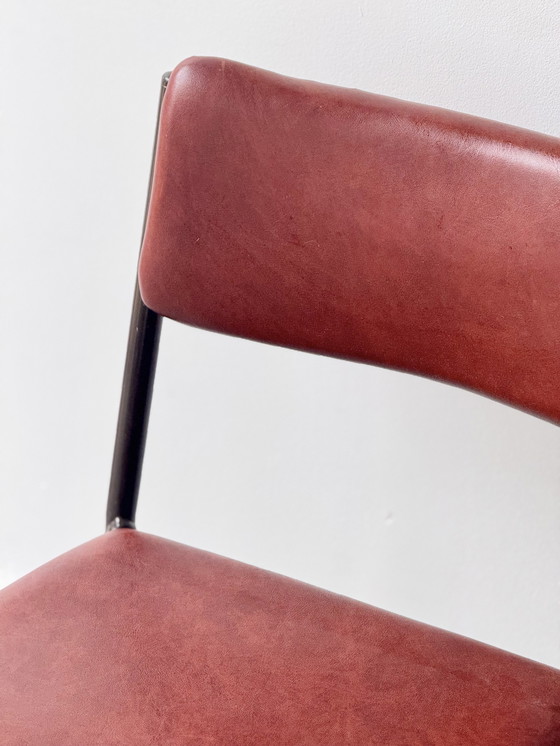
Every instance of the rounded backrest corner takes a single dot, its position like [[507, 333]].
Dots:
[[359, 226]]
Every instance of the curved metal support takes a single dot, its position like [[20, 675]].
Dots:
[[136, 396]]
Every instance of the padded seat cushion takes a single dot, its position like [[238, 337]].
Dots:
[[132, 639]]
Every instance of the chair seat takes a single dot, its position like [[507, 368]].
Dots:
[[133, 639]]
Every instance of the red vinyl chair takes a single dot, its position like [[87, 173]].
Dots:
[[342, 223]]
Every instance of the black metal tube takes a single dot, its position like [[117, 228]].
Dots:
[[136, 397]]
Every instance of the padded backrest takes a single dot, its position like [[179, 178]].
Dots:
[[360, 226]]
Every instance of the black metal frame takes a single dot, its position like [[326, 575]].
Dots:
[[136, 395]]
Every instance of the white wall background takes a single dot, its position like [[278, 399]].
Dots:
[[417, 497]]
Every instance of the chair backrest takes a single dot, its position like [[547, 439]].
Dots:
[[360, 226]]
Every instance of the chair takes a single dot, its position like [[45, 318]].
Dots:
[[343, 223]]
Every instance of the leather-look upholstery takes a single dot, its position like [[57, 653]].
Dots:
[[351, 224], [339, 222], [132, 639]]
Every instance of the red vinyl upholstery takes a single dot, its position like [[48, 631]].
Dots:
[[338, 222], [132, 639], [360, 226]]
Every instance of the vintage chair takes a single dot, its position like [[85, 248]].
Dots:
[[337, 222]]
